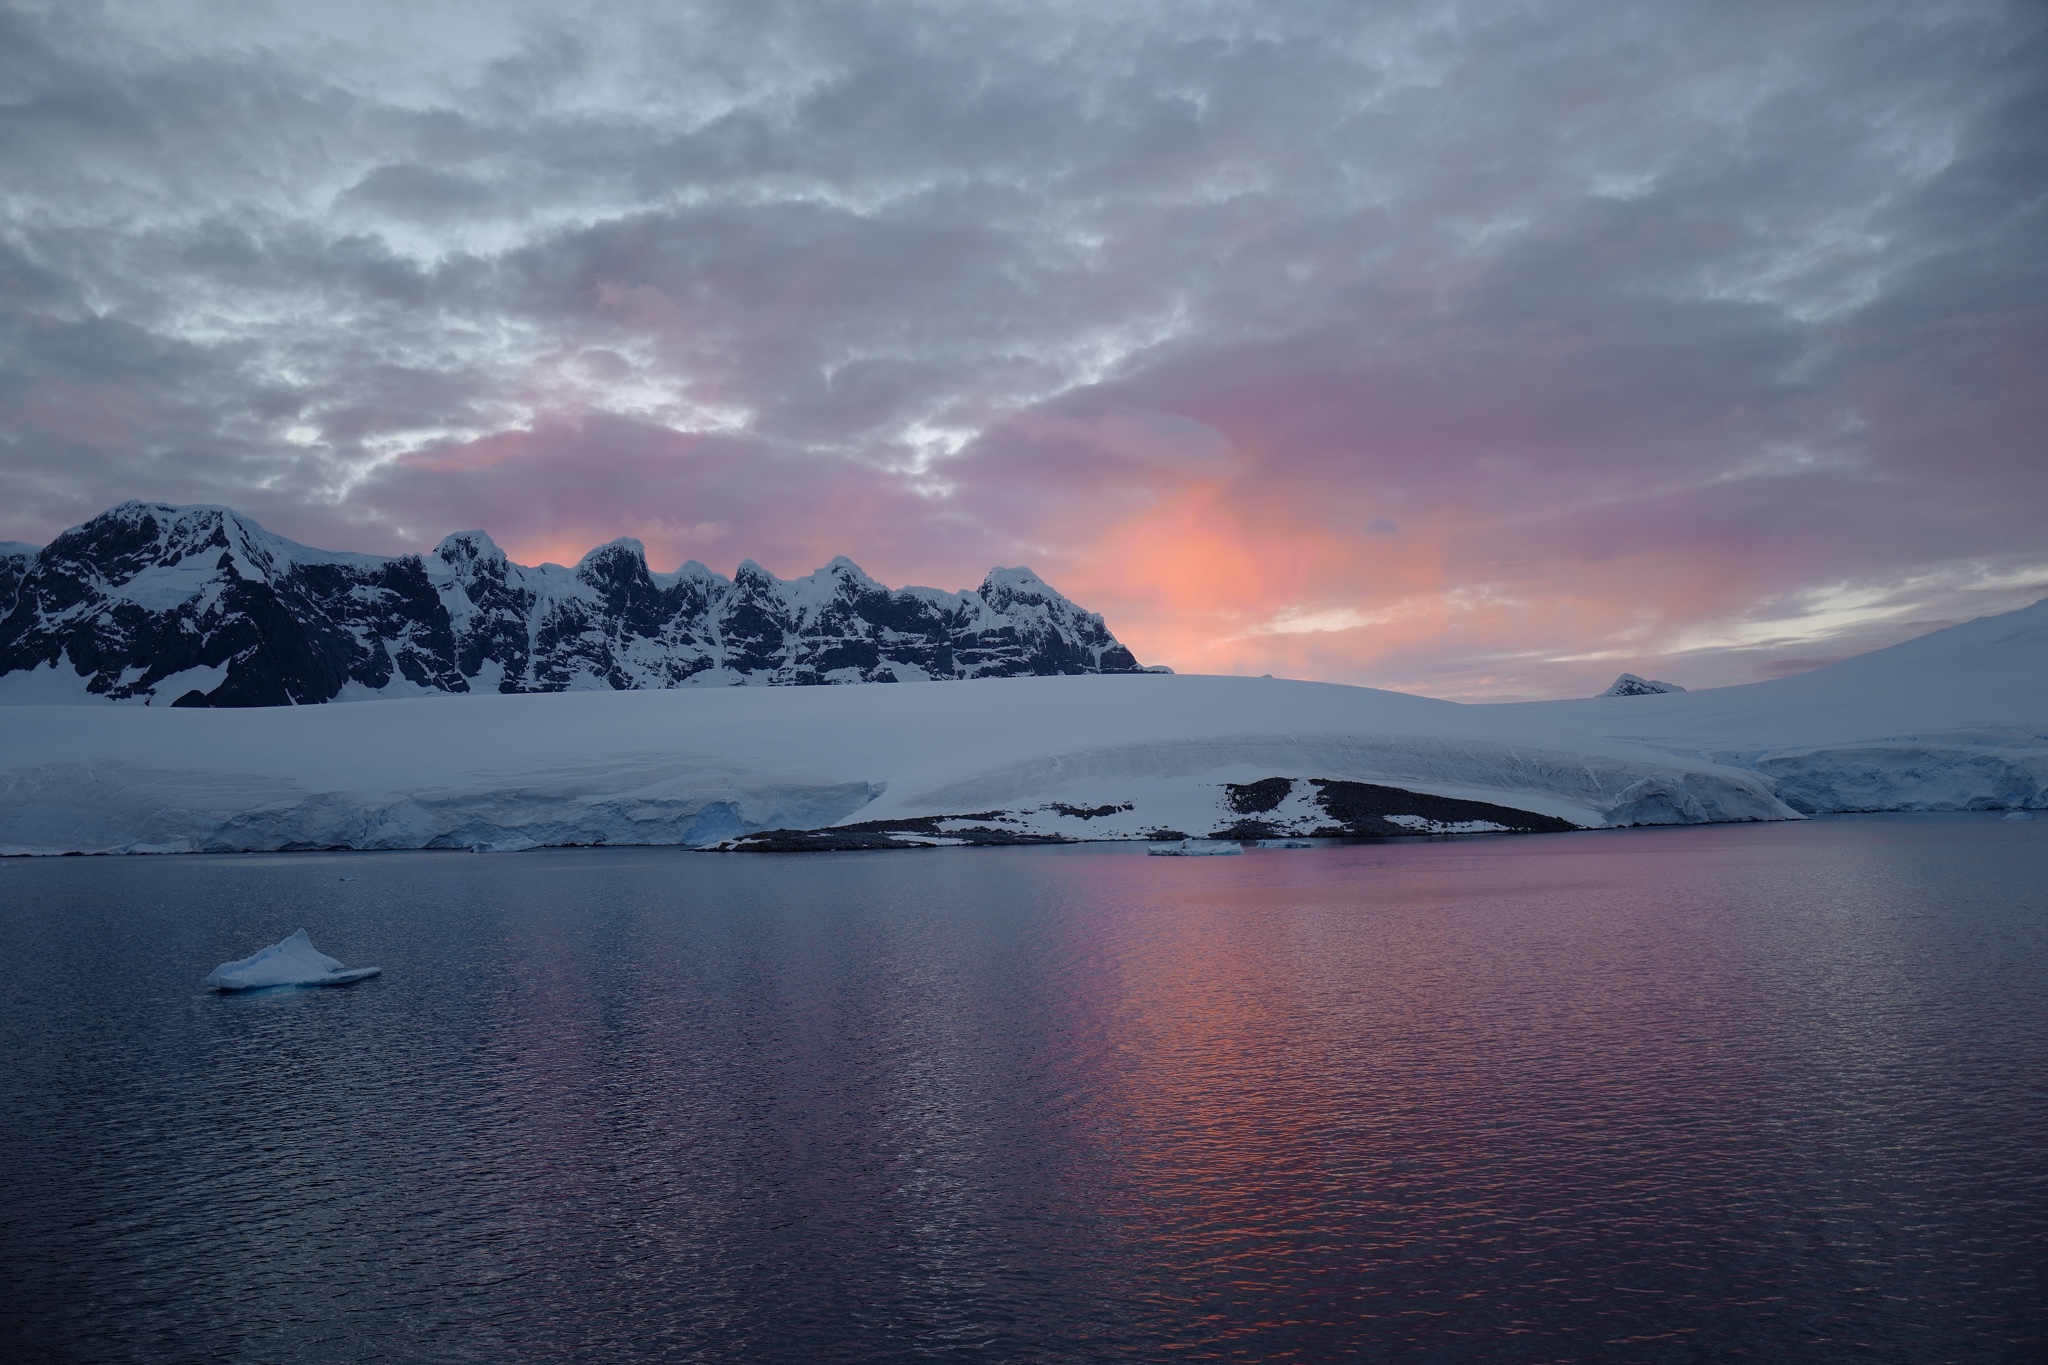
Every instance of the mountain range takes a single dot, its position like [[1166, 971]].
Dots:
[[200, 606], [1952, 721]]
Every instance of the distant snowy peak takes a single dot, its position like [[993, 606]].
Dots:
[[1629, 685], [199, 606]]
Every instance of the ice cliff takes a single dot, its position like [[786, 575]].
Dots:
[[1067, 757]]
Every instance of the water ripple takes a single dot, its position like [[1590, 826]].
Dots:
[[1745, 1093]]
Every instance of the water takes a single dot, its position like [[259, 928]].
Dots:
[[1769, 1092]]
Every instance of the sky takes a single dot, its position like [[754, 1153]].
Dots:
[[1484, 350]]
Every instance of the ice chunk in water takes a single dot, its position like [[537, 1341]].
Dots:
[[289, 962], [1195, 848]]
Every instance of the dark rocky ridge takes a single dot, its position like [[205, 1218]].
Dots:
[[15, 558], [1629, 685], [916, 832], [1365, 810], [1343, 810], [199, 606]]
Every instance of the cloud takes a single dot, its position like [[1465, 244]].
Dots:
[[421, 193], [1468, 348]]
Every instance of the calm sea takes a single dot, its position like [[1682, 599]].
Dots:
[[1771, 1093]]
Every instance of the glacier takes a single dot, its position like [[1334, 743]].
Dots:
[[1954, 720], [1091, 757], [1198, 848], [291, 961], [1957, 720]]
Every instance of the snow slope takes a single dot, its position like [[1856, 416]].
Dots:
[[695, 766], [1955, 720]]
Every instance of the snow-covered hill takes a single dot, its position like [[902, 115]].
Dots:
[[199, 606], [1075, 757], [1955, 720]]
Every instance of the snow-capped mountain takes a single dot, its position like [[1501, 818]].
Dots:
[[1629, 685], [200, 606]]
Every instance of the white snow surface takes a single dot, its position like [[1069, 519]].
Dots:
[[1956, 720], [292, 961], [700, 765]]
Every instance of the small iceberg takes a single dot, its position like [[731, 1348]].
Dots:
[[1285, 843], [290, 962], [1195, 848], [2018, 815]]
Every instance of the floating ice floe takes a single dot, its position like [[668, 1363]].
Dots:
[[2019, 815], [1285, 843], [1195, 848], [289, 962]]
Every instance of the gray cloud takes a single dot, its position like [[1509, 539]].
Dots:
[[1700, 321]]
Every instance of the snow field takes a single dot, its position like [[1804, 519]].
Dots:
[[1955, 720]]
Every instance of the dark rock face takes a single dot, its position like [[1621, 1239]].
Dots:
[[1364, 810], [1629, 685], [14, 561], [1252, 798], [198, 606], [1334, 810], [915, 832]]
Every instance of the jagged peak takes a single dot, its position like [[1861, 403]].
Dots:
[[696, 571], [168, 516], [544, 626], [468, 547], [842, 570], [175, 516], [131, 538], [1004, 586], [132, 508], [1629, 685], [1020, 579], [1009, 583], [623, 547], [186, 529], [839, 567]]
